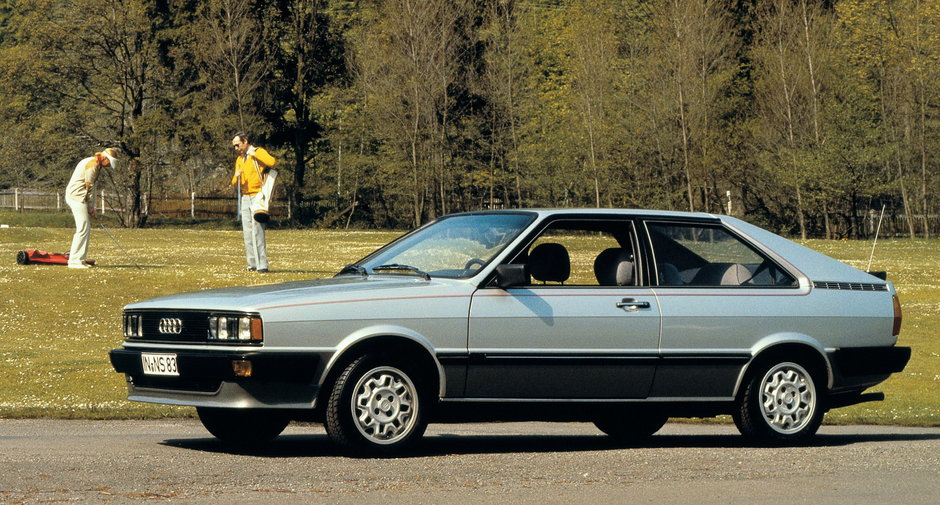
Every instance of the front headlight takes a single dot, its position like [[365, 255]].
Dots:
[[235, 329], [133, 325]]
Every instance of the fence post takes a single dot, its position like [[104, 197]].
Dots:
[[58, 201], [192, 205], [102, 202], [16, 199]]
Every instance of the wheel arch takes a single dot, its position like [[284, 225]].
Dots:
[[384, 339], [790, 347]]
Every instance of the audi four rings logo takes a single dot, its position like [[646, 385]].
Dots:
[[171, 325]]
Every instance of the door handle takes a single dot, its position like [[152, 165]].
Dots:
[[632, 304]]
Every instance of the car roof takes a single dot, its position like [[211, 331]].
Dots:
[[544, 212]]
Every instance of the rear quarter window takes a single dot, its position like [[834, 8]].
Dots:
[[706, 255]]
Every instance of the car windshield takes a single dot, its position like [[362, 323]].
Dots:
[[456, 246]]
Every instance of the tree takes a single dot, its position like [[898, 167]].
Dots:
[[103, 68], [405, 64], [504, 70], [691, 54], [309, 56], [229, 46]]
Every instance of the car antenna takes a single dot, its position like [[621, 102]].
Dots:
[[877, 230]]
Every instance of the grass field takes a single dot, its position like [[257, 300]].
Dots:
[[58, 324]]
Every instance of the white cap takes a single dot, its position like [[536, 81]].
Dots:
[[111, 154]]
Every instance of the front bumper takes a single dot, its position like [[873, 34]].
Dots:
[[206, 379]]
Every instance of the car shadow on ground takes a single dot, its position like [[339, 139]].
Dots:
[[319, 445]]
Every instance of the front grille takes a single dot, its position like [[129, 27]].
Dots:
[[194, 327], [850, 286]]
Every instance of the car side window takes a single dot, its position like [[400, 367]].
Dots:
[[582, 253], [709, 255]]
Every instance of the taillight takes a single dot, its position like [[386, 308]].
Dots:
[[897, 316]]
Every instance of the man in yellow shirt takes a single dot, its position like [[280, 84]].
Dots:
[[81, 200], [251, 168]]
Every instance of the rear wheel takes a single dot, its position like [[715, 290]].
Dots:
[[780, 403], [631, 427], [22, 257], [243, 427], [376, 406]]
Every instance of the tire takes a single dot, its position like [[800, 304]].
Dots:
[[243, 427], [22, 258], [780, 404], [376, 406], [631, 427]]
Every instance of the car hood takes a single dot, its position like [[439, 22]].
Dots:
[[256, 298]]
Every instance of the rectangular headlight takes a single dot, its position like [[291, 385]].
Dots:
[[133, 325], [235, 328], [223, 331], [244, 328]]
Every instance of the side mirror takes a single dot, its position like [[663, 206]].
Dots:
[[511, 275]]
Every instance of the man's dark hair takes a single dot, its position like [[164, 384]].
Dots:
[[242, 137]]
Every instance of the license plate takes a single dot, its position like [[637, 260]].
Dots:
[[159, 364]]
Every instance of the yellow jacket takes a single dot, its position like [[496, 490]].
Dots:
[[251, 178]]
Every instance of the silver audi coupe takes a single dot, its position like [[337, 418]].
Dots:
[[623, 318]]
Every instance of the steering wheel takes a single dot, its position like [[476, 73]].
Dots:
[[474, 261]]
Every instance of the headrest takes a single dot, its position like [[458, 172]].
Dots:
[[669, 275], [614, 267], [549, 262], [736, 275]]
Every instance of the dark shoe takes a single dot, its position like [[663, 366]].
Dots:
[[262, 270], [250, 269]]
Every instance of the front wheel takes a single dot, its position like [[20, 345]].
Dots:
[[376, 406], [243, 427], [781, 403]]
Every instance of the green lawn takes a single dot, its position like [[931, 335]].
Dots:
[[57, 324]]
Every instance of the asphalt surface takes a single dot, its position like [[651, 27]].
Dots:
[[176, 461]]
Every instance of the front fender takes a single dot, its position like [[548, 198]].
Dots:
[[363, 335]]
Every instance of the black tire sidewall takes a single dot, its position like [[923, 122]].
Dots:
[[340, 424], [750, 420], [244, 427]]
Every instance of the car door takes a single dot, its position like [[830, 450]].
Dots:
[[584, 327]]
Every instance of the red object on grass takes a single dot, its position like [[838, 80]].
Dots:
[[36, 256]]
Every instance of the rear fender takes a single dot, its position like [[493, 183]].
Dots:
[[786, 343]]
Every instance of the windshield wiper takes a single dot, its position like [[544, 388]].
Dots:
[[353, 268], [406, 268]]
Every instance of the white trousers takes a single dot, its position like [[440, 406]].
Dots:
[[79, 250], [256, 251]]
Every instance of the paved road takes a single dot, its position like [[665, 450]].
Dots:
[[46, 461]]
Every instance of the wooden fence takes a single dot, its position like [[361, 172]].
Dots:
[[178, 206]]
